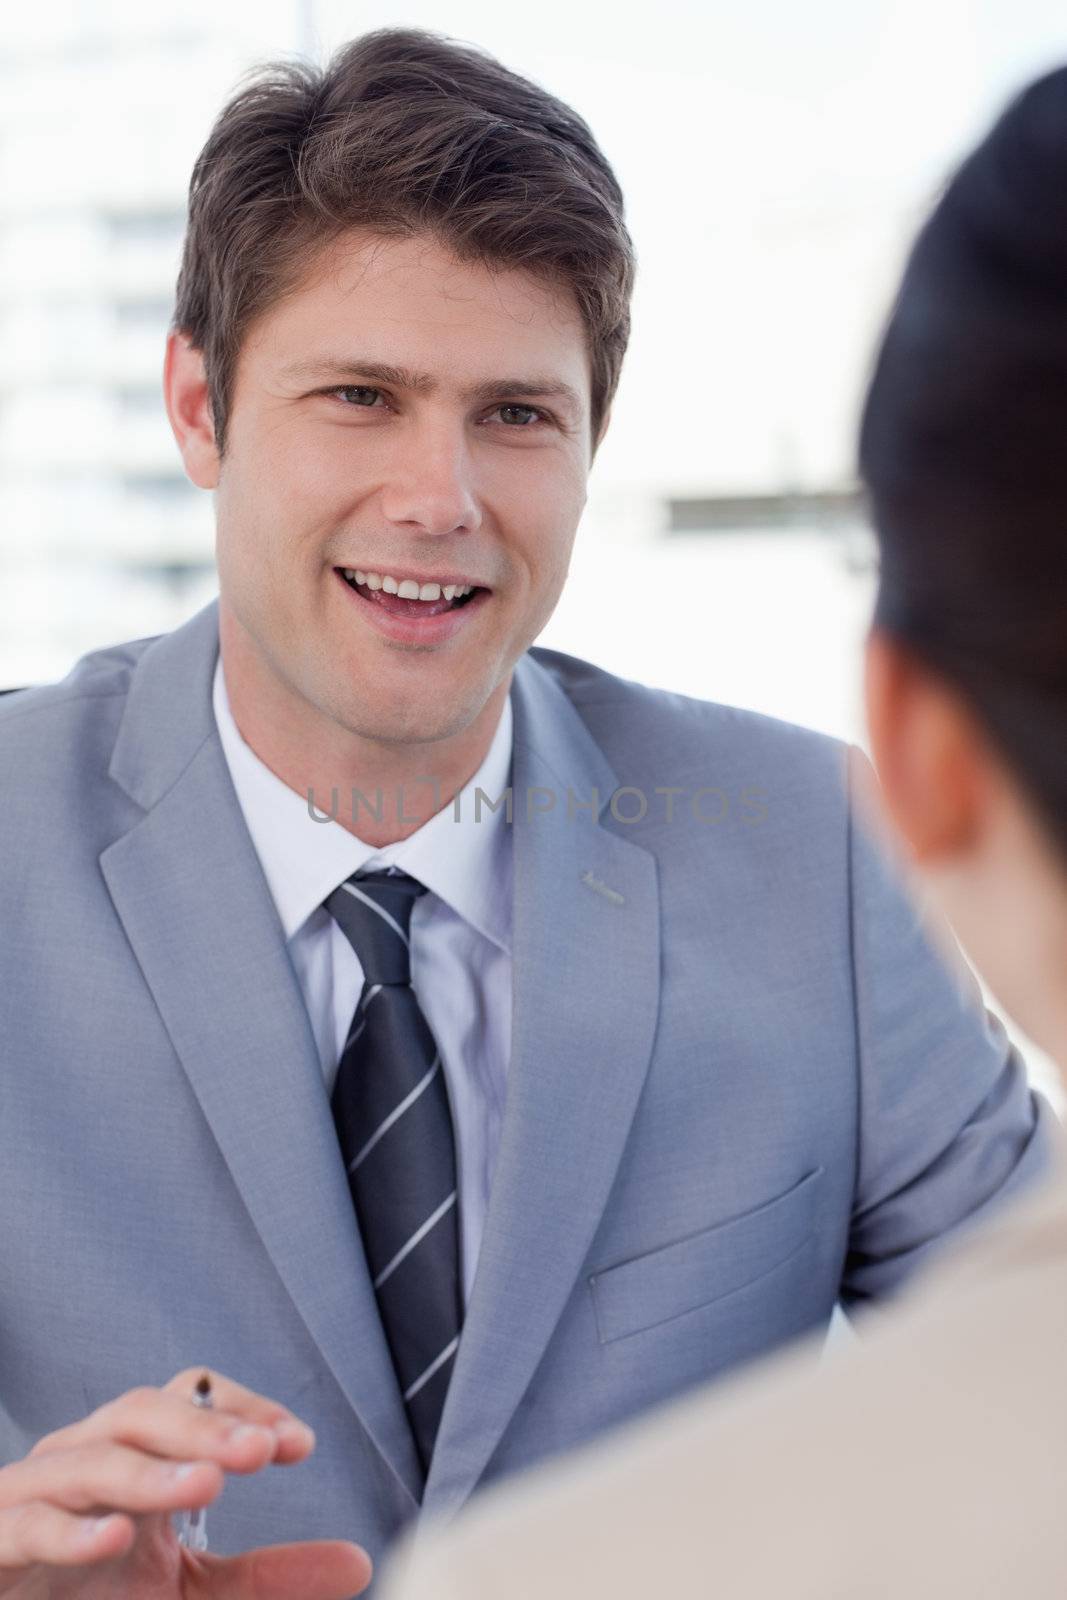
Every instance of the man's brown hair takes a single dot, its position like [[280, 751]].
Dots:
[[402, 132]]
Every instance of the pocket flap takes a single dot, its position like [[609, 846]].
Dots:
[[692, 1272]]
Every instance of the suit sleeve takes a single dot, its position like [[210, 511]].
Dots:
[[949, 1128]]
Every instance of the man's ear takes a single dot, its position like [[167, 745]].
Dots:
[[185, 392], [931, 759]]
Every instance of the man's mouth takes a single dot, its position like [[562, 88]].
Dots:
[[402, 596]]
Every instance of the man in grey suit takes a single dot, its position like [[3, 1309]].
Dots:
[[459, 1045]]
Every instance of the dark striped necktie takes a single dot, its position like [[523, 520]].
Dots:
[[390, 1106]]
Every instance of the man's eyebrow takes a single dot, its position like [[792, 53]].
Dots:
[[329, 368], [537, 387]]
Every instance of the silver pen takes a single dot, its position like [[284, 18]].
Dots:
[[193, 1531]]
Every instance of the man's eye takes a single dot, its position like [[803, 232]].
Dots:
[[358, 395], [518, 416]]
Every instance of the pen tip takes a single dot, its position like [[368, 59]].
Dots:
[[203, 1385]]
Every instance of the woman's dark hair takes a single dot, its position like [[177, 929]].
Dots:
[[402, 132], [964, 444]]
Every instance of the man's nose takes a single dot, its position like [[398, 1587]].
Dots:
[[430, 488]]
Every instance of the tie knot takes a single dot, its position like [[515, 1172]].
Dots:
[[373, 911]]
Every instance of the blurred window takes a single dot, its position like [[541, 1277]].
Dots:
[[151, 226], [161, 488], [764, 513], [139, 400], [147, 314]]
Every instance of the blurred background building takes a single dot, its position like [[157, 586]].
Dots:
[[777, 160]]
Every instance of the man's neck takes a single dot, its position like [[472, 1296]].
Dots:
[[379, 792]]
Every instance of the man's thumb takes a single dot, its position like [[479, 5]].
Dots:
[[326, 1570]]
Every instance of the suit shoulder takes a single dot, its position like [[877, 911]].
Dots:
[[632, 721], [25, 713], [55, 738]]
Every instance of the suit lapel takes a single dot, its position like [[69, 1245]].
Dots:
[[187, 884], [585, 964]]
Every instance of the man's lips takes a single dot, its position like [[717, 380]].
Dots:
[[396, 606], [413, 621]]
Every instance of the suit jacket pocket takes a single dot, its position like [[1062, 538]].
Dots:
[[693, 1272]]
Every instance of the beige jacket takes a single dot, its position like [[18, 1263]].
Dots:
[[927, 1461]]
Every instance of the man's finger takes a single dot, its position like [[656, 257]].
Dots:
[[295, 1439], [89, 1476], [324, 1570], [163, 1425], [227, 1395], [37, 1532]]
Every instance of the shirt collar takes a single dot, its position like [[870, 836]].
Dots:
[[462, 854]]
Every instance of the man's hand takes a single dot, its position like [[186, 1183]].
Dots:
[[87, 1513]]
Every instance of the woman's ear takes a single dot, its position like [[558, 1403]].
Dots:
[[931, 760], [185, 392]]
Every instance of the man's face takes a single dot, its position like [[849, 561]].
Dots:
[[411, 418]]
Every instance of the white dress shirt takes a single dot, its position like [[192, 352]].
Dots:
[[460, 935]]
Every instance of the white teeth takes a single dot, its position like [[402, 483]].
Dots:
[[407, 588]]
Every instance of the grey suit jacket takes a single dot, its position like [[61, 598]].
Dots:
[[742, 1086]]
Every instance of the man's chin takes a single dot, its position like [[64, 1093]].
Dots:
[[402, 724], [424, 707]]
